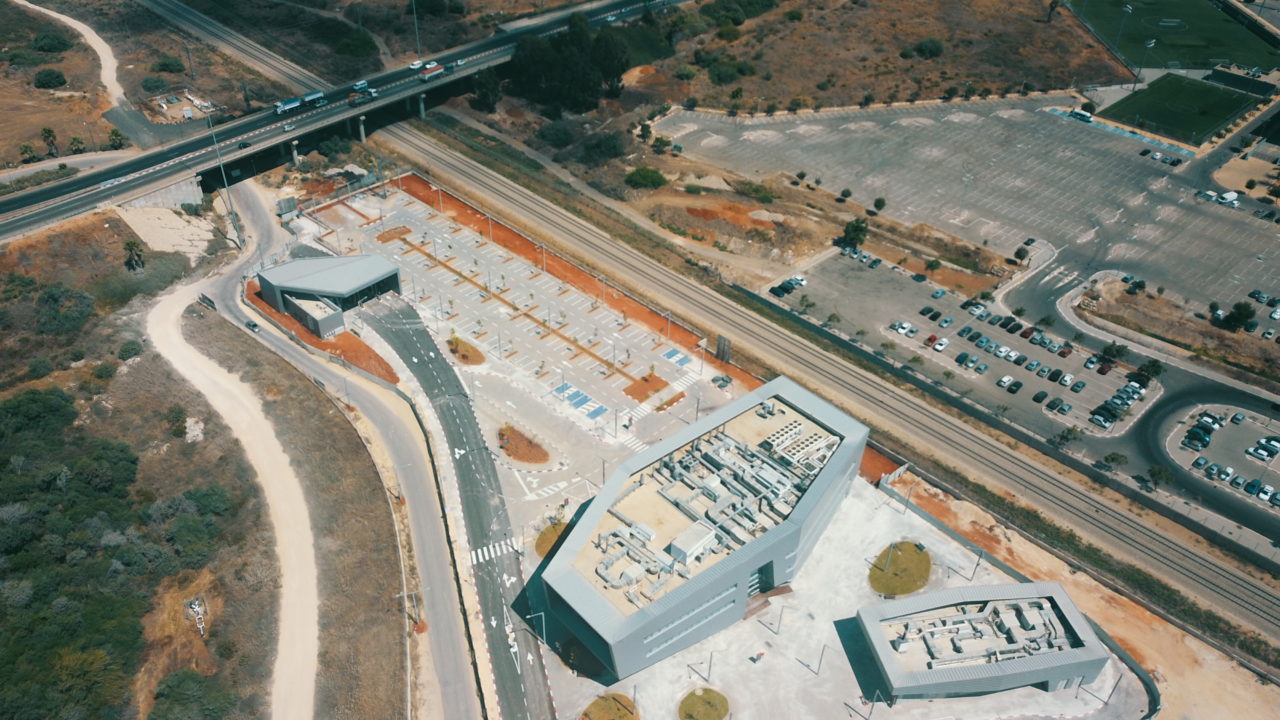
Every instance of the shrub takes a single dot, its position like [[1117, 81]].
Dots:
[[153, 84], [1250, 184], [334, 146], [794, 15], [685, 72], [557, 134], [48, 78], [24, 57], [105, 371], [728, 33], [692, 102], [723, 73], [51, 43], [928, 49], [645, 178], [168, 64], [129, 350], [693, 189], [600, 148], [39, 367]]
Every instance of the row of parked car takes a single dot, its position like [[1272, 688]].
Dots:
[[1227, 474], [861, 256], [1106, 414], [786, 287]]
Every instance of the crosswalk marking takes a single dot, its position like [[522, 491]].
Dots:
[[635, 443], [491, 551]]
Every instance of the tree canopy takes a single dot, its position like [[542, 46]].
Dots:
[[572, 70]]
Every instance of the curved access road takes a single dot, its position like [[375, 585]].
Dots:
[[1225, 589], [106, 58], [293, 678]]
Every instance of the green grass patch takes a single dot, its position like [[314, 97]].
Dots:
[[704, 704], [162, 269], [1181, 108], [1188, 33], [38, 177], [901, 569]]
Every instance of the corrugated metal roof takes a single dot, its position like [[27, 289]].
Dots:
[[332, 276]]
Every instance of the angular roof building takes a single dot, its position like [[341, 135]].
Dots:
[[975, 640], [316, 291], [683, 534]]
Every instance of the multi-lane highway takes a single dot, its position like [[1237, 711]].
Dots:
[[1224, 588], [29, 210]]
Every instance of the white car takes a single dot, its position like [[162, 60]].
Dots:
[[1266, 492], [1004, 381], [1012, 356], [1270, 444], [903, 328], [432, 64], [1002, 353], [1275, 314], [799, 280], [1226, 472], [942, 344], [415, 64], [1066, 380], [976, 310]]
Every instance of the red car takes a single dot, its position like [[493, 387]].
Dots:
[[1104, 368], [932, 339], [1064, 352], [1027, 333]]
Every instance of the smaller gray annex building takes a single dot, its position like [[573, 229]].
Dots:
[[976, 640], [684, 534], [316, 291]]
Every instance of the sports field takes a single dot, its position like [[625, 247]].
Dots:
[[1180, 108], [1188, 33]]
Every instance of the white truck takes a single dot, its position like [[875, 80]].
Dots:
[[1231, 198]]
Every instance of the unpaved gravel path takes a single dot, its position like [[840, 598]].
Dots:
[[298, 640], [106, 58]]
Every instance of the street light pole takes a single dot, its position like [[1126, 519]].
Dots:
[[417, 39], [1128, 10], [225, 185], [1138, 76]]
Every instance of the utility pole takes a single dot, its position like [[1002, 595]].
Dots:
[[235, 225], [417, 39]]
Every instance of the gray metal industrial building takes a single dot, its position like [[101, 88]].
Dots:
[[316, 291], [975, 640], [683, 535]]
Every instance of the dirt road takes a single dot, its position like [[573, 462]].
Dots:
[[298, 640], [105, 57]]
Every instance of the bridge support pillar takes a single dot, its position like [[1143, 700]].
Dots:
[[293, 146], [361, 128], [422, 106]]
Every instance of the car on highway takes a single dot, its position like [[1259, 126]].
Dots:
[[1040, 396], [1078, 386], [415, 64], [244, 144], [611, 18], [1014, 387], [938, 293], [1004, 381], [288, 128], [255, 327], [982, 368], [1200, 462]]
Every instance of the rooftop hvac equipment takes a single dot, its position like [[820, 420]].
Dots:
[[692, 542]]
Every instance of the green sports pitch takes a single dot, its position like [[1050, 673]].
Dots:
[[1188, 33], [1180, 108]]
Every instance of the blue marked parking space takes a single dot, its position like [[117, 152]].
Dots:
[[575, 396], [1130, 134], [670, 353], [683, 361], [581, 401], [563, 388], [597, 412]]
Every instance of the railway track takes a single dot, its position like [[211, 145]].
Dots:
[[1228, 590]]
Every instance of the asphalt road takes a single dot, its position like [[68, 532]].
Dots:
[[520, 677], [47, 204], [406, 446], [1225, 588]]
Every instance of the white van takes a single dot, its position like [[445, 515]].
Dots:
[[1229, 198], [1084, 115]]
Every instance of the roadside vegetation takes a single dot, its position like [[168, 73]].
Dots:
[[38, 177], [124, 500]]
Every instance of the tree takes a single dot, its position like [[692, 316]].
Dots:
[[51, 43], [48, 78], [879, 204], [933, 264], [928, 49], [488, 90], [1020, 254], [845, 193], [1045, 321], [76, 145], [1152, 368], [833, 318], [50, 138], [1019, 311], [557, 134], [27, 152], [611, 57], [1241, 313], [1160, 474], [117, 139], [133, 254], [129, 350], [152, 84], [1115, 458], [1115, 351], [855, 232], [168, 64], [806, 303], [646, 178], [1214, 307]]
